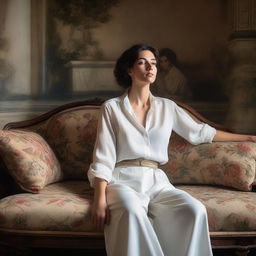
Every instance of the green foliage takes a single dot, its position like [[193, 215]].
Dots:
[[82, 15], [83, 12]]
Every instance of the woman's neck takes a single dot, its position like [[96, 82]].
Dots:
[[139, 95]]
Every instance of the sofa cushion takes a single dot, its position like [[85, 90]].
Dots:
[[72, 134], [29, 159], [61, 206], [65, 206], [228, 210], [229, 164]]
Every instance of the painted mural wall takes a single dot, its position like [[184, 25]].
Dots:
[[56, 51], [197, 31], [15, 48]]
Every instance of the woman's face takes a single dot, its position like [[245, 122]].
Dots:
[[144, 69], [164, 63]]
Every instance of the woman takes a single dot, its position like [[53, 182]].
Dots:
[[149, 217]]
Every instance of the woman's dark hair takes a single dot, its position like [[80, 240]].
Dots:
[[169, 54], [126, 61]]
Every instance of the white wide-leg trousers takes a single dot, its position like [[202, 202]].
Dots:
[[149, 217]]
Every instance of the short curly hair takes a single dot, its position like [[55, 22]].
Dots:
[[169, 54], [126, 61]]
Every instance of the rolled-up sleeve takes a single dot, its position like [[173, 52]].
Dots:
[[190, 129], [104, 156]]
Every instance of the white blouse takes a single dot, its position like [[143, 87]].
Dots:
[[120, 136]]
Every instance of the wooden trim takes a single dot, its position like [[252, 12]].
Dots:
[[47, 115], [225, 234], [98, 102], [94, 234], [200, 117], [38, 233], [233, 240], [95, 240], [51, 239]]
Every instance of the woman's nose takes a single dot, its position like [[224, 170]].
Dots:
[[149, 66]]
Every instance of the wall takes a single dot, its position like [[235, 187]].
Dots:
[[191, 28], [17, 33], [197, 30]]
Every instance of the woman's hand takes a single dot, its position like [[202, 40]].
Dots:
[[253, 138], [100, 212]]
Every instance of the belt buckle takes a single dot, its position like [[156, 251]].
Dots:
[[143, 162]]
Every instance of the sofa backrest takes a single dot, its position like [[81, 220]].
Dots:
[[70, 130], [71, 134]]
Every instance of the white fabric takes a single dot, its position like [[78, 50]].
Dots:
[[120, 136], [171, 83], [149, 217], [176, 80]]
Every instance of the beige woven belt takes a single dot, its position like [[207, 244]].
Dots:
[[138, 162]]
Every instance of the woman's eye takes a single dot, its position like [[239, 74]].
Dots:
[[141, 62]]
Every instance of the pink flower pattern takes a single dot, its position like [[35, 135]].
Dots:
[[72, 135], [60, 206], [29, 159], [66, 205], [229, 164]]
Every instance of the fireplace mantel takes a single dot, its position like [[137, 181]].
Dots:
[[91, 76]]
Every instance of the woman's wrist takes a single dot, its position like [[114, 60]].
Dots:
[[100, 190], [249, 138], [252, 138], [99, 196]]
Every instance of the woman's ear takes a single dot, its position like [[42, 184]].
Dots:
[[129, 71]]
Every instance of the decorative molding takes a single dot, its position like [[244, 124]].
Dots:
[[38, 19], [92, 76], [243, 34], [3, 9], [244, 12], [90, 64]]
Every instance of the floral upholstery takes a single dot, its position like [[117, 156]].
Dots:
[[65, 206], [228, 210], [29, 159], [229, 164], [72, 135]]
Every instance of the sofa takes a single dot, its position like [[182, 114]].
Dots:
[[46, 198]]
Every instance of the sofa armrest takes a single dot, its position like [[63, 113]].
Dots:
[[230, 164]]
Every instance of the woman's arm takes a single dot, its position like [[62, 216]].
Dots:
[[100, 213], [104, 156], [228, 136]]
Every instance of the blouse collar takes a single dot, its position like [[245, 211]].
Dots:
[[127, 107], [127, 103]]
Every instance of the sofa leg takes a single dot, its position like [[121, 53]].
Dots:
[[242, 252]]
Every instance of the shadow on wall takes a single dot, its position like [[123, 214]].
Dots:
[[242, 86]]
